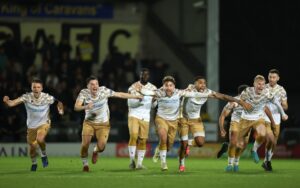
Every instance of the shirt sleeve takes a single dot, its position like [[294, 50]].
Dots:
[[81, 96], [185, 93], [283, 94], [245, 94], [50, 99], [25, 98], [229, 106], [108, 92], [132, 90]]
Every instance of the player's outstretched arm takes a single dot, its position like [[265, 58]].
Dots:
[[225, 112], [284, 116], [12, 103], [123, 95], [228, 98], [191, 94], [284, 105]]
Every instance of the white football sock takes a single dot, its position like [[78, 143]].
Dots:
[[141, 155], [230, 160], [236, 161], [163, 155], [255, 146], [131, 150], [84, 161]]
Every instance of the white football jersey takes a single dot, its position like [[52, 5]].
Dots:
[[280, 95], [258, 103], [100, 111], [137, 108], [168, 107], [37, 109], [236, 110], [191, 107]]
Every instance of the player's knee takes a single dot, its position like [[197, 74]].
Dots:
[[162, 146], [133, 139], [40, 139], [169, 145], [142, 144], [101, 146], [84, 151], [233, 142], [260, 138], [199, 141]]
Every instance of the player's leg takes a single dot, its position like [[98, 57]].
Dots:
[[197, 129], [239, 151], [102, 133], [270, 143], [133, 127], [198, 132], [242, 128], [142, 143], [276, 132], [42, 132], [260, 129], [172, 130], [31, 140], [162, 130], [183, 130], [232, 147], [224, 146], [87, 134]]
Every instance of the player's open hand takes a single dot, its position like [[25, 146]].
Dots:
[[60, 108], [284, 117], [222, 133], [5, 99]]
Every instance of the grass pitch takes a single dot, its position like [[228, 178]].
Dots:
[[113, 172]]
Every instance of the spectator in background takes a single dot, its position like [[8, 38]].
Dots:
[[85, 50], [52, 81], [3, 59], [27, 53], [11, 47], [50, 51], [64, 49]]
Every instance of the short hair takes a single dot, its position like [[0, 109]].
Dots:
[[37, 80], [145, 70], [241, 88], [275, 71], [169, 79], [259, 77], [199, 78], [90, 78]]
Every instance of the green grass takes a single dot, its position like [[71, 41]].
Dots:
[[114, 172]]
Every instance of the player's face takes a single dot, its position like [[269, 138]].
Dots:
[[145, 75], [36, 88], [273, 78], [259, 86], [93, 86], [169, 87], [200, 84]]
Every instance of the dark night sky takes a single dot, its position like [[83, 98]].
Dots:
[[257, 36]]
